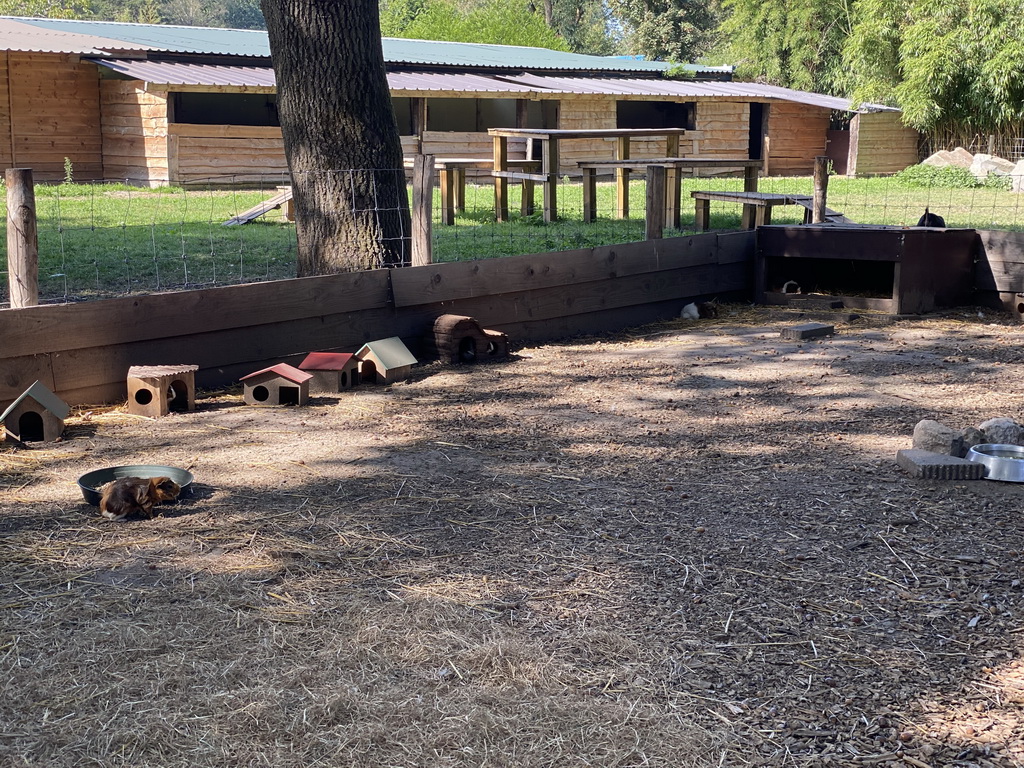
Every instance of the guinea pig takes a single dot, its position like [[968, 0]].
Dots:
[[128, 495]]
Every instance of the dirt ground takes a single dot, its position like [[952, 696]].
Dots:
[[683, 545]]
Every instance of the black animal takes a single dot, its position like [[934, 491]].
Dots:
[[930, 219]]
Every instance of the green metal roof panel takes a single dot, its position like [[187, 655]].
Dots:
[[42, 395], [391, 353], [442, 53], [165, 38]]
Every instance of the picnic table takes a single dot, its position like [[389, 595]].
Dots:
[[451, 173], [673, 180], [548, 139]]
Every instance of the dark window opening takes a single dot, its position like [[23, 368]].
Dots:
[[470, 115], [656, 114], [405, 115], [260, 394], [756, 141], [288, 396], [225, 108]]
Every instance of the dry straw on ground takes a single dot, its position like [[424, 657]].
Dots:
[[687, 544]]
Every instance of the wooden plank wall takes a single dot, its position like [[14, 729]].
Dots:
[[83, 351], [53, 112], [796, 135], [248, 152], [880, 143], [6, 153], [134, 129]]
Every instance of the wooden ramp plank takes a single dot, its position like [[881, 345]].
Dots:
[[261, 209]]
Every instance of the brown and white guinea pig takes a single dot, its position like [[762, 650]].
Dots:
[[128, 495]]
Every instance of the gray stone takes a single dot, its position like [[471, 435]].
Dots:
[[1001, 430], [935, 437], [984, 165], [972, 436], [807, 331], [926, 465]]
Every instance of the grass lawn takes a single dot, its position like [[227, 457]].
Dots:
[[107, 240]]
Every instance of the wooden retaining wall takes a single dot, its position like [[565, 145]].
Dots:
[[999, 270], [83, 351]]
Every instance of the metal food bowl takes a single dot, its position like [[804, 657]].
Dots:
[[91, 482], [1002, 461]]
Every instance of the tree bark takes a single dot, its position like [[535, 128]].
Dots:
[[340, 135]]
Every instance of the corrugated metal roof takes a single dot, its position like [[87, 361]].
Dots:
[[686, 89], [163, 37], [16, 35], [429, 81], [178, 73], [253, 43], [442, 53]]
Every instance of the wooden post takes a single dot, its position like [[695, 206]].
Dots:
[[622, 179], [820, 189], [549, 167], [500, 184], [22, 239], [422, 209], [655, 201]]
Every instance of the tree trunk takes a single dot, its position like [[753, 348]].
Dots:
[[340, 135]]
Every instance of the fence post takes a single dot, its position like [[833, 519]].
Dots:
[[22, 239], [422, 210], [820, 189], [655, 201]]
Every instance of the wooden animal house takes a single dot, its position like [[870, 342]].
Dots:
[[281, 384], [331, 371], [385, 361], [460, 339], [157, 390], [36, 415]]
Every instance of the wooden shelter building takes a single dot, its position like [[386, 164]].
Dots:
[[155, 104]]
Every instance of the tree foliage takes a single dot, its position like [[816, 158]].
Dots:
[[490, 21], [796, 44], [667, 30], [954, 66]]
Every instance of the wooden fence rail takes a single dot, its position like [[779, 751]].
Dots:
[[83, 351]]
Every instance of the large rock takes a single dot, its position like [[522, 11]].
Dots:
[[941, 159], [1002, 430], [1017, 177], [972, 436], [962, 157], [933, 436], [984, 165]]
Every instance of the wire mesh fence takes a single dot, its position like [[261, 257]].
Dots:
[[105, 240]]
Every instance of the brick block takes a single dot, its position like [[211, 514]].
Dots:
[[926, 465], [807, 331]]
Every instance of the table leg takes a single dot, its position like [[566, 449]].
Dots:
[[702, 216], [527, 205], [750, 179], [500, 184], [447, 196], [747, 219], [589, 195], [622, 179], [549, 167], [460, 190], [673, 197]]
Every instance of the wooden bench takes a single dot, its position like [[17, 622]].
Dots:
[[757, 207], [673, 181], [452, 181]]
